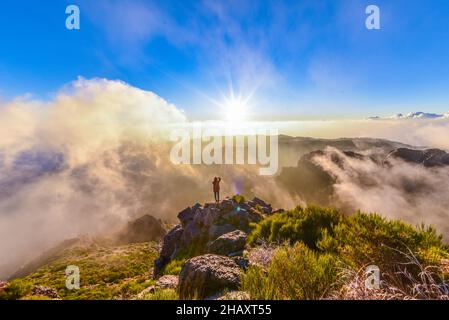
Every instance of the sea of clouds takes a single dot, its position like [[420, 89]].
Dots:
[[96, 155]]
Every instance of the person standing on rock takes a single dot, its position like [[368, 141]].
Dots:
[[216, 187]]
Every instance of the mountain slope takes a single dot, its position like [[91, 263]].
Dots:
[[106, 272]]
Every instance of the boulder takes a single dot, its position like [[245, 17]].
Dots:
[[143, 229], [228, 243], [227, 205], [208, 274], [170, 244], [171, 241], [193, 233], [167, 282], [241, 218], [45, 291], [186, 215], [217, 230], [206, 217], [265, 207], [164, 282], [260, 202]]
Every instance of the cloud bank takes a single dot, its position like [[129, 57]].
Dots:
[[62, 171], [400, 190], [95, 155]]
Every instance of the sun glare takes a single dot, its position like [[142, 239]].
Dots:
[[235, 109]]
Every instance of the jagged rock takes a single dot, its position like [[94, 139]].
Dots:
[[428, 157], [256, 216], [227, 205], [241, 218], [192, 233], [143, 229], [214, 228], [171, 241], [169, 246], [217, 230], [167, 282], [228, 243], [260, 202], [45, 291], [265, 207], [206, 217], [186, 215], [205, 275]]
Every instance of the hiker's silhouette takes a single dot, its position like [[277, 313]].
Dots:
[[216, 188]]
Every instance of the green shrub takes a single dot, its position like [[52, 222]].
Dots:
[[195, 248], [295, 273], [372, 239], [301, 224], [238, 198], [162, 294], [174, 267], [357, 240], [16, 289]]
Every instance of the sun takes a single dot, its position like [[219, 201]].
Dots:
[[235, 109]]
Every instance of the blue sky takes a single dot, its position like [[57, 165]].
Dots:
[[294, 59]]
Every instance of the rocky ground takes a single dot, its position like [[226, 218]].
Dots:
[[240, 249], [218, 234]]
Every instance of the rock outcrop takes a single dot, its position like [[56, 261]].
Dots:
[[427, 158], [164, 282], [205, 275], [231, 243], [214, 228], [45, 291], [143, 229], [169, 246]]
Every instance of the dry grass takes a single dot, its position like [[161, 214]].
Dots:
[[427, 284]]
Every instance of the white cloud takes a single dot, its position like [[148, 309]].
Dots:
[[414, 115], [404, 191], [62, 171]]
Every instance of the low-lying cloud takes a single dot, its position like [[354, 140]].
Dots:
[[95, 156], [397, 190], [64, 163]]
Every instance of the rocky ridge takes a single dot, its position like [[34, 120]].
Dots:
[[216, 234]]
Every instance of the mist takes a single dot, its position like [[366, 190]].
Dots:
[[93, 157], [96, 155], [397, 190]]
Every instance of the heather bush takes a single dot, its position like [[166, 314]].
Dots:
[[295, 272], [301, 224]]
